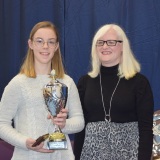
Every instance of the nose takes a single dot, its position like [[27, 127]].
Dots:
[[105, 45], [45, 45]]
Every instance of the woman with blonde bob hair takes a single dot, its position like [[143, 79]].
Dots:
[[31, 98], [128, 66], [117, 102]]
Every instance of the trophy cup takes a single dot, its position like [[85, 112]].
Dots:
[[55, 94]]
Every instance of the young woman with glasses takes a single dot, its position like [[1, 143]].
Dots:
[[23, 100]]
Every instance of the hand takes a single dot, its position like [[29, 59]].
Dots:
[[60, 119], [38, 148]]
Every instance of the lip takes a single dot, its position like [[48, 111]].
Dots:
[[106, 52], [44, 53]]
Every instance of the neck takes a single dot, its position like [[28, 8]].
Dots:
[[43, 69], [109, 65], [109, 70]]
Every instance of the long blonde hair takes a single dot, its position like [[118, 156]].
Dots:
[[128, 66], [27, 67]]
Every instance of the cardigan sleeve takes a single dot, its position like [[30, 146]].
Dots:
[[75, 120], [145, 107], [8, 109]]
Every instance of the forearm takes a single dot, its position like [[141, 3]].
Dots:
[[74, 124], [10, 135]]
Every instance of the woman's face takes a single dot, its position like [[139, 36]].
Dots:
[[44, 46], [109, 55]]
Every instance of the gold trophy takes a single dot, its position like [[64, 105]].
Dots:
[[55, 94]]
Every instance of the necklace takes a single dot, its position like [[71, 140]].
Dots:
[[110, 102]]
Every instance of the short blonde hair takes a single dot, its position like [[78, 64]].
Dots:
[[27, 67], [128, 66]]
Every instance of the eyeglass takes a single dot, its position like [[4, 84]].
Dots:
[[40, 42], [108, 42]]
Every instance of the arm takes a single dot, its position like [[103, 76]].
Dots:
[[145, 106], [10, 106], [79, 137], [75, 121], [8, 109]]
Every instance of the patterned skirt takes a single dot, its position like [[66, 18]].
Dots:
[[111, 141]]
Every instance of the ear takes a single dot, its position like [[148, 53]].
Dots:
[[57, 46], [30, 44]]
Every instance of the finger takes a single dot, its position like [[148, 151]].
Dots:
[[37, 147], [43, 150], [60, 122], [59, 119], [64, 110], [40, 148], [62, 115], [49, 116]]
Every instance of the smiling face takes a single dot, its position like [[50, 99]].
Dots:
[[110, 55], [44, 46]]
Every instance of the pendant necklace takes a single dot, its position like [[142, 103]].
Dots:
[[110, 102]]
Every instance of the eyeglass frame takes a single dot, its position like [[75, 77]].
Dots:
[[43, 42], [116, 41]]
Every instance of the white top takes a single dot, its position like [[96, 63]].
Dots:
[[23, 101]]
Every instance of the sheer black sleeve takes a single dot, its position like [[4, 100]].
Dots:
[[145, 108]]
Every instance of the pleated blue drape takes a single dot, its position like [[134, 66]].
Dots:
[[78, 20]]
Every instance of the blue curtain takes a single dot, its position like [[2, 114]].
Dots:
[[78, 20]]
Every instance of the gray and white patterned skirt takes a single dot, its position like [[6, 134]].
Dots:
[[111, 141]]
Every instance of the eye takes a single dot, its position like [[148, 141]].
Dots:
[[99, 43], [40, 41], [52, 42], [111, 42]]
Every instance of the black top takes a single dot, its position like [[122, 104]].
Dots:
[[132, 101]]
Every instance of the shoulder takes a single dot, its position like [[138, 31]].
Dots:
[[15, 85], [141, 79], [142, 83], [67, 79], [84, 79], [17, 80], [82, 82]]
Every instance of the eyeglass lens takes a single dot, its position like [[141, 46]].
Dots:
[[108, 42], [40, 42]]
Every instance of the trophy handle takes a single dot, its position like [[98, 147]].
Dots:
[[40, 139]]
